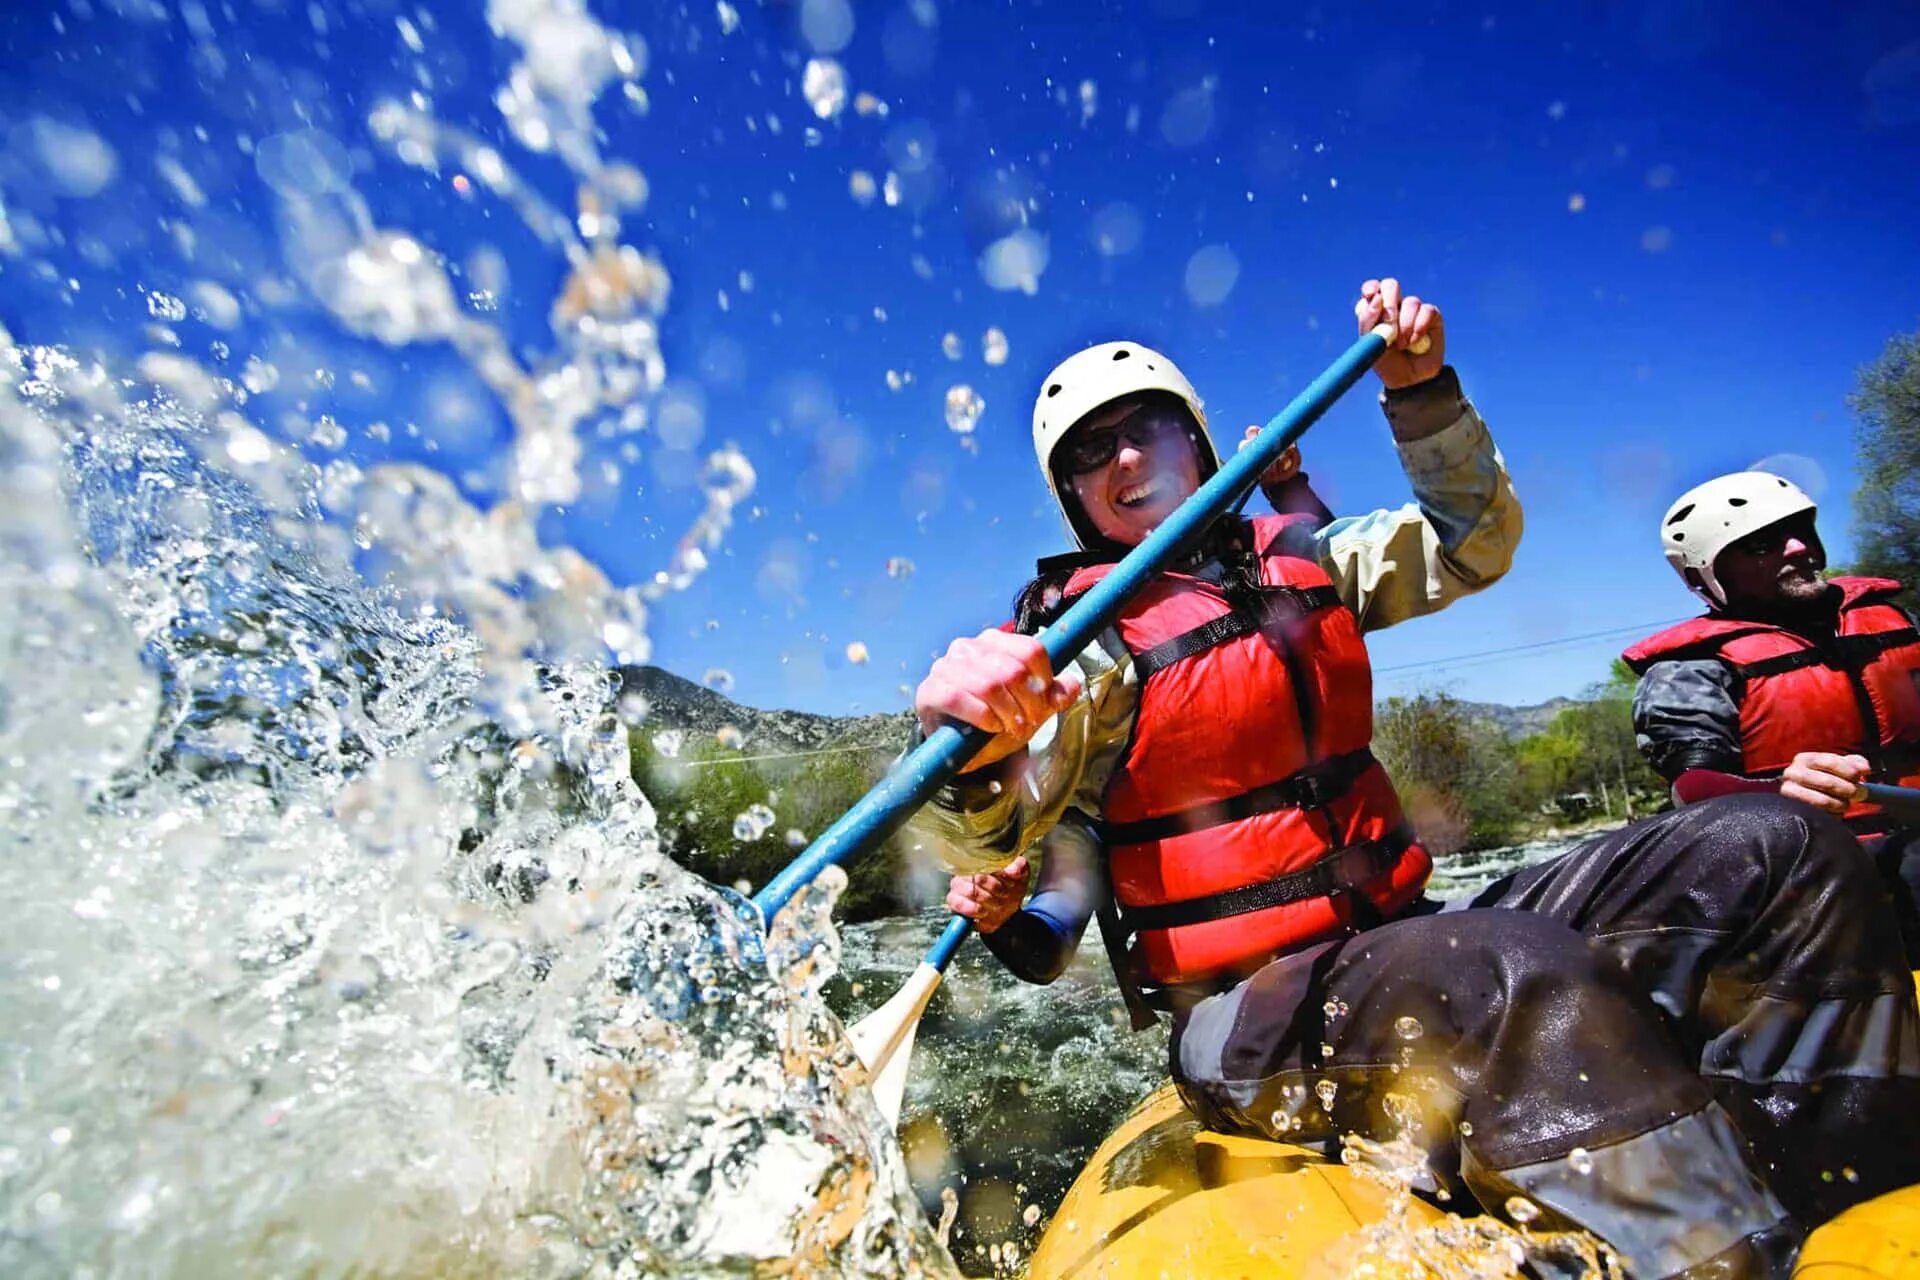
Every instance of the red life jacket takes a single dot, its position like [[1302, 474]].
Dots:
[[1858, 694], [1248, 815]]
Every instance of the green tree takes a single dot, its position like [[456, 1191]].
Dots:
[[1886, 506], [1456, 774], [701, 793]]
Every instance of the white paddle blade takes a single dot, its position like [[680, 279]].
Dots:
[[890, 1085], [883, 1039]]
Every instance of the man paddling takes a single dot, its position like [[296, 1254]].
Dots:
[[1199, 779], [1789, 682]]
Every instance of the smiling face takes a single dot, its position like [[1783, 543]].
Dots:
[[1152, 467], [1774, 566]]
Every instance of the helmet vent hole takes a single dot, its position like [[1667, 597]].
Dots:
[[1681, 514], [1679, 537], [1053, 391], [1122, 354], [1736, 502]]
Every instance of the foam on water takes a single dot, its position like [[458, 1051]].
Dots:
[[339, 937]]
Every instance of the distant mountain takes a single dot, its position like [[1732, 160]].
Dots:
[[1521, 722], [676, 703]]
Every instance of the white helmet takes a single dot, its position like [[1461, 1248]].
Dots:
[[1098, 376], [1713, 516]]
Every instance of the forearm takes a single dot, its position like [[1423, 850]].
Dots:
[[1033, 945], [1037, 942], [1458, 537]]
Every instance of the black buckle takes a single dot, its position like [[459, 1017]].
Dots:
[[1354, 865], [1320, 788]]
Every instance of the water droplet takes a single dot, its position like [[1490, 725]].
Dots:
[[744, 829], [862, 187], [1016, 260], [824, 84], [1466, 1129], [327, 433], [718, 679], [857, 653], [728, 15], [667, 742], [248, 445], [730, 737], [1581, 1159], [964, 407], [993, 347], [1211, 275], [259, 377], [950, 346], [1522, 1210], [164, 306], [1031, 1214], [899, 567], [1326, 1091], [1408, 1028]]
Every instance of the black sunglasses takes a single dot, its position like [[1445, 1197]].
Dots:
[[1769, 541], [1084, 451]]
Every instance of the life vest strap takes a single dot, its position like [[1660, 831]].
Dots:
[[1340, 871], [1853, 652], [1319, 784], [1231, 626]]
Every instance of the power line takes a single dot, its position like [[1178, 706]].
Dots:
[[1458, 659], [1481, 654]]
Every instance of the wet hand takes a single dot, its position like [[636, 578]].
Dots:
[[998, 681], [1282, 469], [1419, 347], [1825, 780], [990, 898]]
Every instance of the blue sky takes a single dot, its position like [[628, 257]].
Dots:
[[1664, 235]]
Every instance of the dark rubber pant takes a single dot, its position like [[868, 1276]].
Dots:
[[1898, 856], [1768, 935], [1754, 923]]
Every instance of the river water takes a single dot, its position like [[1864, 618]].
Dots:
[[1014, 1085]]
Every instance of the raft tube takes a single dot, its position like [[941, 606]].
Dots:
[[1163, 1197]]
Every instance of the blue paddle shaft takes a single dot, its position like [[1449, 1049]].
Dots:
[[1904, 802], [928, 767], [940, 954]]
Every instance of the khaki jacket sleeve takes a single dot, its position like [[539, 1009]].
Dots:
[[1456, 537], [984, 819]]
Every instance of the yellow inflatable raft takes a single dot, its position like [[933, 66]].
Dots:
[[1163, 1197]]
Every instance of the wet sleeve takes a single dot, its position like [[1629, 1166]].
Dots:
[[1457, 536], [1040, 939], [1686, 715], [986, 818]]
